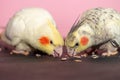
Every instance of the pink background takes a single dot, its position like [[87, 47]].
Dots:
[[64, 11]]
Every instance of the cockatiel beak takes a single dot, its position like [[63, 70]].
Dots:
[[71, 52], [58, 51]]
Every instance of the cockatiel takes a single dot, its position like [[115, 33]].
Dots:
[[98, 28], [33, 28]]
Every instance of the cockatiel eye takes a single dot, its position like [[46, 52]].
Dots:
[[51, 42], [77, 44], [45, 40]]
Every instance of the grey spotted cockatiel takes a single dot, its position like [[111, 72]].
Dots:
[[98, 27], [33, 28]]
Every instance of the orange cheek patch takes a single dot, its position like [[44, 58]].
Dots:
[[84, 40], [44, 40]]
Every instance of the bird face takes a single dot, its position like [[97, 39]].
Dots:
[[51, 41], [50, 47], [78, 41], [76, 44]]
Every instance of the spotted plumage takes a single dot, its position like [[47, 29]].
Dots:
[[100, 25]]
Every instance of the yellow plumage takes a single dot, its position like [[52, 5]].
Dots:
[[28, 26]]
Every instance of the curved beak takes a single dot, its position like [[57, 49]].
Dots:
[[58, 51], [71, 52]]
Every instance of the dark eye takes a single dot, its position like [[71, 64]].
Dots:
[[51, 42], [77, 44]]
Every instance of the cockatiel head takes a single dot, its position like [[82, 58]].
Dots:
[[79, 38], [50, 40]]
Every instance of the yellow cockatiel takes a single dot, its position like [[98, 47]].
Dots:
[[33, 28]]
